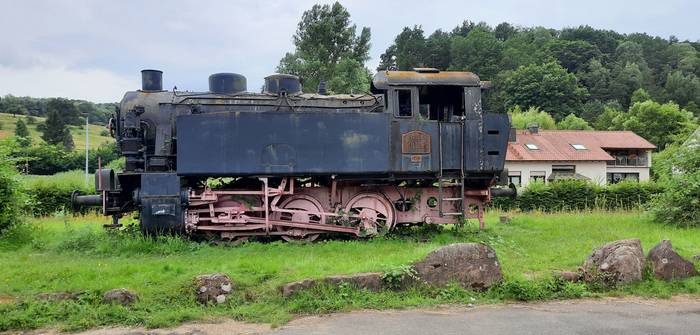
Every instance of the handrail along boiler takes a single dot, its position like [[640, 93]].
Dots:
[[234, 164]]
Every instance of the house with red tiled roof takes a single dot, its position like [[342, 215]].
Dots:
[[603, 157]]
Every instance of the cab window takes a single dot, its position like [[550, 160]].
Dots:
[[404, 103]]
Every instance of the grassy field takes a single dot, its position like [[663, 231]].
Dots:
[[76, 255], [8, 129]]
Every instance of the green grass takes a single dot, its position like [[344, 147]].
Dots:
[[75, 254], [78, 132]]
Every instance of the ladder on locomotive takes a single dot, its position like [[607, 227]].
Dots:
[[451, 179]]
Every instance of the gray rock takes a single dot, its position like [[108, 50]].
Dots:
[[120, 296], [370, 281], [213, 288], [696, 258], [669, 265], [617, 262], [472, 265]]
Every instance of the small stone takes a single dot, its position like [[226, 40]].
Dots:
[[213, 288], [120, 296], [696, 258]]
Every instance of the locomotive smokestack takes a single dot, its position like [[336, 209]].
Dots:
[[151, 80], [227, 83]]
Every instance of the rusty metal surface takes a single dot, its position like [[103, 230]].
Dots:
[[385, 79]]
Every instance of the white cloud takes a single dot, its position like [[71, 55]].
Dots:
[[94, 85]]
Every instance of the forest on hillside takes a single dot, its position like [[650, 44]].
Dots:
[[577, 70], [573, 78]]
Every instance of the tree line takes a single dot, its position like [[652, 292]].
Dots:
[[73, 111]]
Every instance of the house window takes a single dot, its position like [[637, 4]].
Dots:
[[564, 169], [514, 178], [405, 105], [532, 146], [616, 177], [538, 176], [579, 146]]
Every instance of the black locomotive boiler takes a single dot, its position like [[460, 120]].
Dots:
[[233, 164]]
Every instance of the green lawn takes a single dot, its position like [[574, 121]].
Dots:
[[75, 254], [9, 121]]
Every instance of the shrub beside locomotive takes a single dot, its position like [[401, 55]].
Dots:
[[232, 164]]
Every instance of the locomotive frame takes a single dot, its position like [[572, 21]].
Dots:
[[232, 164]]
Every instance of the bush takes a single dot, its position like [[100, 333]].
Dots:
[[567, 195], [680, 204], [47, 195], [10, 196], [46, 159]]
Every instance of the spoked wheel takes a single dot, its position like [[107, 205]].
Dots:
[[374, 214], [310, 212]]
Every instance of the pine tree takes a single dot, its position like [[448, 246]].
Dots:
[[56, 131], [22, 134]]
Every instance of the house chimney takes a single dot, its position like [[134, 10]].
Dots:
[[533, 128], [512, 135]]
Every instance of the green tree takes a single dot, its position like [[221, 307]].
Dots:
[[409, 48], [478, 52], [573, 122], [682, 88], [605, 40], [10, 189], [65, 108], [325, 38], [626, 80], [350, 77], [54, 129], [678, 168], [22, 134], [640, 95], [660, 124], [596, 78], [504, 31], [610, 119], [437, 50], [548, 86], [533, 116], [572, 55]]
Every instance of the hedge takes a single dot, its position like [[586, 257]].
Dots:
[[47, 195], [568, 195]]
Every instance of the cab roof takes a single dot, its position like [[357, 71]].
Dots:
[[424, 76]]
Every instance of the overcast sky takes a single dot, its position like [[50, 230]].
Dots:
[[94, 50]]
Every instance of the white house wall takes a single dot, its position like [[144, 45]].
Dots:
[[595, 170]]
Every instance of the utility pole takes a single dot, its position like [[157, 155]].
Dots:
[[87, 139]]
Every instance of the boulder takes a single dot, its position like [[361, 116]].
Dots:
[[472, 265], [120, 296], [617, 262], [668, 264], [370, 281], [213, 288]]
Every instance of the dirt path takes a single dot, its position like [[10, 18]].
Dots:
[[680, 315]]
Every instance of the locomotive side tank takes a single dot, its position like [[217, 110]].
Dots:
[[233, 164]]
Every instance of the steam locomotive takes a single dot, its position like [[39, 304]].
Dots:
[[232, 164]]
